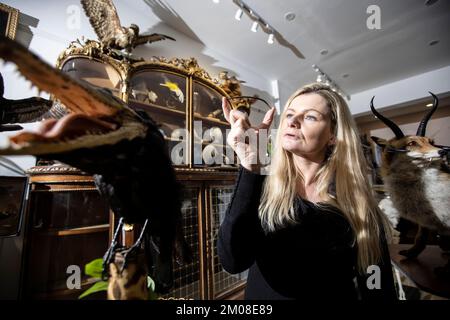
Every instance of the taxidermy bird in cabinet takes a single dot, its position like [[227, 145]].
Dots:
[[417, 177], [174, 89]]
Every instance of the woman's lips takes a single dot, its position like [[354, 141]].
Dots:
[[291, 136]]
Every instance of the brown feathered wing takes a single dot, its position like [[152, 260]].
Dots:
[[103, 17], [143, 39]]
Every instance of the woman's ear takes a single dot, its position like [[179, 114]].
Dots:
[[332, 140]]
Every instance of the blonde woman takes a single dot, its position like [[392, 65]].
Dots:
[[311, 228]]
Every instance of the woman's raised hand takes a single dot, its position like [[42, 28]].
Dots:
[[240, 128]]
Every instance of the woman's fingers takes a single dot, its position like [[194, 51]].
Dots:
[[226, 109], [242, 124], [236, 115], [268, 118], [233, 115]]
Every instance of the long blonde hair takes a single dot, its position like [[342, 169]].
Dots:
[[345, 166]]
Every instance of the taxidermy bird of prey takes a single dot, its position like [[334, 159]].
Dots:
[[20, 111], [417, 178], [104, 19], [122, 149]]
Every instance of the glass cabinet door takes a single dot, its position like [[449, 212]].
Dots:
[[220, 198], [67, 228], [12, 194], [99, 74], [210, 148], [162, 95], [187, 276], [159, 88]]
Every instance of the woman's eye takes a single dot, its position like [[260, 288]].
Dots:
[[310, 117], [289, 115]]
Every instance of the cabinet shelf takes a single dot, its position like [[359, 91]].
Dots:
[[74, 231], [204, 143], [212, 120], [177, 113], [156, 107]]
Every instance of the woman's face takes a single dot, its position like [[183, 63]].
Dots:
[[306, 129]]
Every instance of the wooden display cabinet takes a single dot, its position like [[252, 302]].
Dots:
[[67, 225], [70, 223]]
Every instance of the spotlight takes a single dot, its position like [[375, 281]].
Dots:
[[216, 1], [238, 14], [255, 26], [270, 39]]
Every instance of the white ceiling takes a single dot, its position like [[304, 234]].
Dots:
[[371, 57]]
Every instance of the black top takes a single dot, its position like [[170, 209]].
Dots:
[[313, 259]]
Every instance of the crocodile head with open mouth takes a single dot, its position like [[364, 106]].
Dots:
[[122, 148]]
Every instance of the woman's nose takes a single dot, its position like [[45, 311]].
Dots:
[[292, 122]]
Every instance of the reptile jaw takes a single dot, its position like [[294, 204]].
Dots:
[[54, 138]]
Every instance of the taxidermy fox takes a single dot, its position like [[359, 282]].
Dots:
[[417, 178]]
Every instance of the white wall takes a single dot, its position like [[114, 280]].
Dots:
[[399, 92]]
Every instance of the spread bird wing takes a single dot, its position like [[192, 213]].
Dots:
[[24, 110], [103, 17], [149, 38]]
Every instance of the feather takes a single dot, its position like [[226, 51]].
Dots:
[[103, 17], [143, 39]]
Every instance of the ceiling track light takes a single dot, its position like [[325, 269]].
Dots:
[[238, 14], [322, 77], [257, 20], [255, 26]]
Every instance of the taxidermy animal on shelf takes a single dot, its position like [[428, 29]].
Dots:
[[174, 89], [20, 111], [231, 85], [123, 149], [417, 178], [104, 19]]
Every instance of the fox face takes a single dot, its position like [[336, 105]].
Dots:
[[420, 148]]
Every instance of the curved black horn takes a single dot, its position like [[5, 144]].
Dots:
[[397, 131], [423, 124]]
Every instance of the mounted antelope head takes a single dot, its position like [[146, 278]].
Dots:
[[417, 179], [418, 147]]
